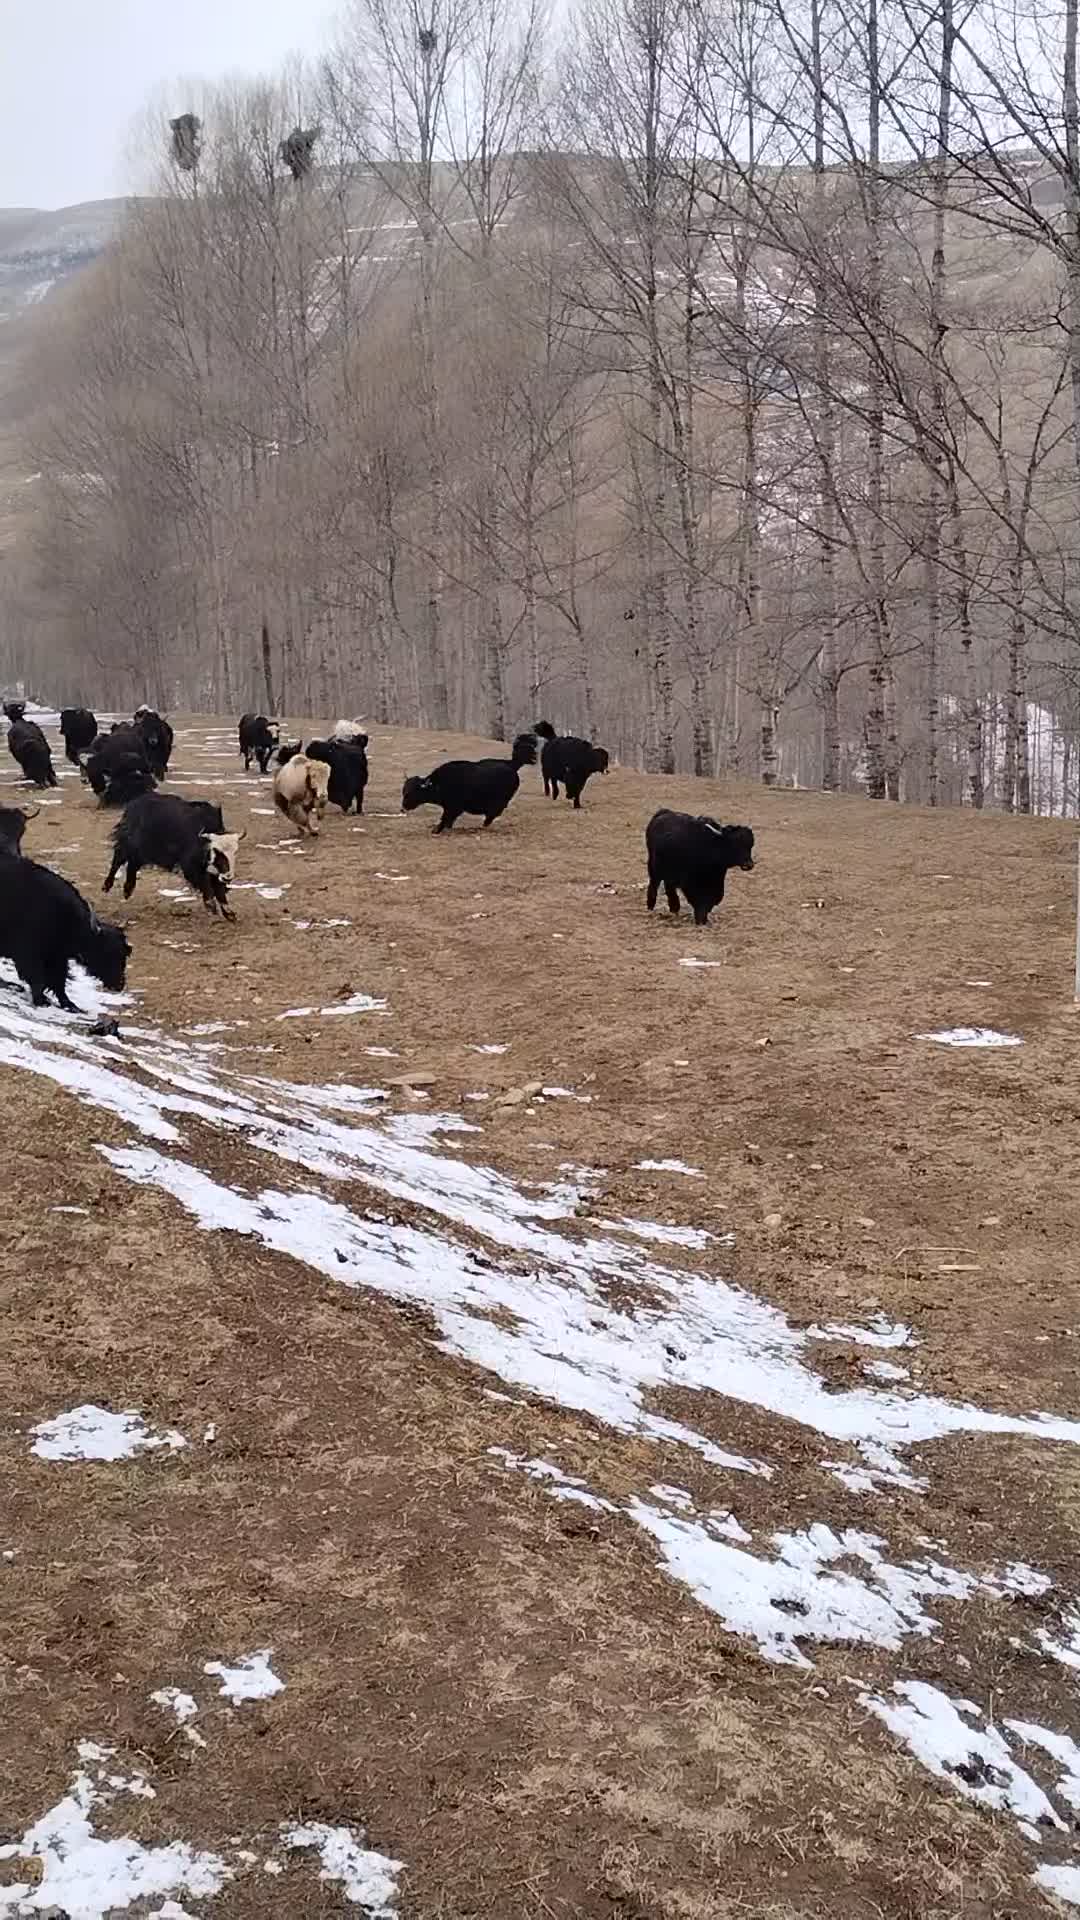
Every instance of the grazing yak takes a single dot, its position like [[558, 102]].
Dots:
[[180, 836], [564, 757], [348, 764], [485, 787], [258, 739], [117, 767], [13, 824], [28, 745], [301, 791], [157, 738], [45, 925], [79, 728], [691, 854]]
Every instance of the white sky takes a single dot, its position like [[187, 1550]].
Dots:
[[76, 74]]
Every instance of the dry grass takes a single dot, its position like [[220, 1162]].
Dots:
[[508, 1694]]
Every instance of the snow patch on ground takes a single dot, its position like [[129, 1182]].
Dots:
[[368, 1880], [972, 1037], [93, 1433], [944, 1736], [87, 1878], [669, 1166], [252, 1678], [356, 1003]]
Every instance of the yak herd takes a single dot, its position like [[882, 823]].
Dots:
[[45, 924]]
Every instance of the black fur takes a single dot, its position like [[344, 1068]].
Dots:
[[564, 757], [28, 745], [79, 728], [485, 787], [348, 764], [258, 739], [692, 854], [161, 830], [45, 925]]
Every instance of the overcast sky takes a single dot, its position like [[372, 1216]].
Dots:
[[75, 75]]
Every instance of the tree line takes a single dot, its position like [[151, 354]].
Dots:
[[704, 375]]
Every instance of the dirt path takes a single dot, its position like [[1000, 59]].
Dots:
[[595, 1512]]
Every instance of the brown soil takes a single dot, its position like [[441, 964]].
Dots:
[[509, 1694]]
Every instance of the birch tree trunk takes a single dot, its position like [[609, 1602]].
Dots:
[[824, 431]]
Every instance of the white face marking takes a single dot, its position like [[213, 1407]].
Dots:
[[225, 845]]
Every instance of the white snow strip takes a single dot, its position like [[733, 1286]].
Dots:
[[1067, 1651], [356, 1003], [1060, 1748], [252, 1678], [885, 1370], [669, 1166], [492, 1048], [975, 1760], [367, 1879], [1062, 1882], [972, 1037], [798, 1595], [880, 1333], [701, 963], [560, 1485], [92, 1433], [85, 1878], [694, 1237]]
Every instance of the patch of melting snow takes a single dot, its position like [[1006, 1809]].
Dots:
[[695, 1238], [84, 1210], [885, 1370], [972, 1037], [1061, 1749], [367, 1879], [492, 1047], [1061, 1881], [356, 1003], [700, 963], [975, 1760], [252, 1678], [93, 1433], [1066, 1651], [258, 886], [668, 1166], [881, 1332], [560, 1485], [183, 1709], [86, 1878]]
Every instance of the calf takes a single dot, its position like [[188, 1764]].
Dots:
[[45, 925], [564, 757], [13, 824], [288, 752], [157, 738], [79, 728], [689, 853], [470, 786], [347, 761], [28, 745], [301, 791], [180, 836], [117, 767], [258, 739], [14, 709]]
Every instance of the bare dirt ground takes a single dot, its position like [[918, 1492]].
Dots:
[[512, 1694]]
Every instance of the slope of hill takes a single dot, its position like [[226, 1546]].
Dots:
[[573, 1404]]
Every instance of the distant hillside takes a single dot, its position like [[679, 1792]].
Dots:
[[40, 251]]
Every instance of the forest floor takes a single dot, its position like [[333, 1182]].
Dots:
[[658, 1501]]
